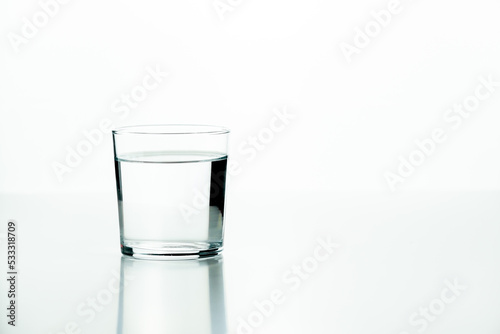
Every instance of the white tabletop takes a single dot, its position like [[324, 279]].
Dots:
[[294, 262]]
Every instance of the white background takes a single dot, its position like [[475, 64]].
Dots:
[[353, 119]]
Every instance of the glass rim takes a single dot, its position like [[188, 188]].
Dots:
[[171, 129]]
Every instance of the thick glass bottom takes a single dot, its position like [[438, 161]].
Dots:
[[170, 250]]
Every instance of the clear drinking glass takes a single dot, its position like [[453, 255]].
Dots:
[[171, 181]]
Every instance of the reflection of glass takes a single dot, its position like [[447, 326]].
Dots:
[[164, 297], [170, 182]]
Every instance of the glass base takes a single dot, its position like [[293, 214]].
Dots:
[[170, 250]]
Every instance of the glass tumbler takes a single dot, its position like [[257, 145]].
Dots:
[[170, 182]]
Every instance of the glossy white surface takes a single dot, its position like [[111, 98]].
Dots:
[[396, 263]]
